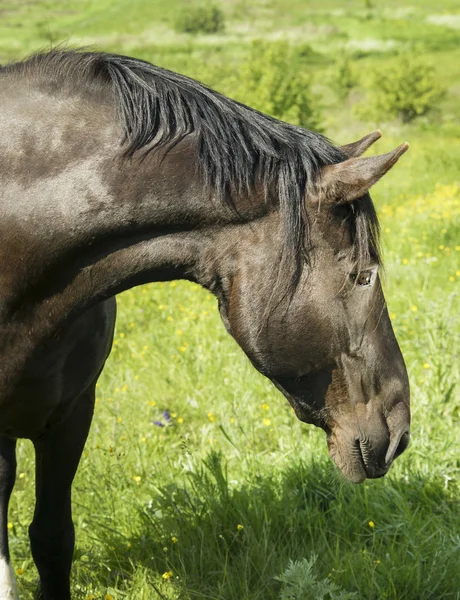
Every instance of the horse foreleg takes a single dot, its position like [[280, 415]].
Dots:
[[8, 587], [52, 536]]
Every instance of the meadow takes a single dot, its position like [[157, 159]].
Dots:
[[197, 481]]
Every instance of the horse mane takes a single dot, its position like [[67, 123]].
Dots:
[[237, 146]]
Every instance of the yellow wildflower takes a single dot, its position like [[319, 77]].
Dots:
[[266, 422], [371, 524], [174, 539], [166, 576], [239, 527]]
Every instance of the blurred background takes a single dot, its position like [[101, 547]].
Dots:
[[197, 480]]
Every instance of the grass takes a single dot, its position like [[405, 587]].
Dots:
[[232, 487]]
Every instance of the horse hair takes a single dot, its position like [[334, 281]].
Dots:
[[238, 146]]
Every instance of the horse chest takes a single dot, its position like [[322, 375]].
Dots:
[[58, 373]]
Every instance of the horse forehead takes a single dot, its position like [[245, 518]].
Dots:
[[329, 236]]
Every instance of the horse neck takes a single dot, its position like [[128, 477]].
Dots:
[[152, 220]]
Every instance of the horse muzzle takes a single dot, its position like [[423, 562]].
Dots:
[[366, 448]]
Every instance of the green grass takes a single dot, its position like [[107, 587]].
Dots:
[[150, 500]]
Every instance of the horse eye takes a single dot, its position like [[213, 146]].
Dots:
[[363, 279]]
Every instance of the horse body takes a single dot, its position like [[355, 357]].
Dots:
[[272, 219], [57, 373]]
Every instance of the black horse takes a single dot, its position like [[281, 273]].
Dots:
[[113, 173]]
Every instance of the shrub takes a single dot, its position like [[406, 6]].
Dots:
[[273, 80], [206, 18], [344, 78], [406, 90]]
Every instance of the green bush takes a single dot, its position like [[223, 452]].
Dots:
[[274, 80], [406, 90], [207, 18], [344, 78]]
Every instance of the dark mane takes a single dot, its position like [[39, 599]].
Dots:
[[237, 145]]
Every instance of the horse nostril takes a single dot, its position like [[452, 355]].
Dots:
[[403, 443], [397, 446]]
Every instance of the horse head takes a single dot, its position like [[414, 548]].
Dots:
[[326, 342]]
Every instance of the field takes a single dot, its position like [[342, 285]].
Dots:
[[197, 481]]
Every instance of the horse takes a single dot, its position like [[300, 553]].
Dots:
[[114, 173]]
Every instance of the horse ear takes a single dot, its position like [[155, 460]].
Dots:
[[351, 179], [357, 148]]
